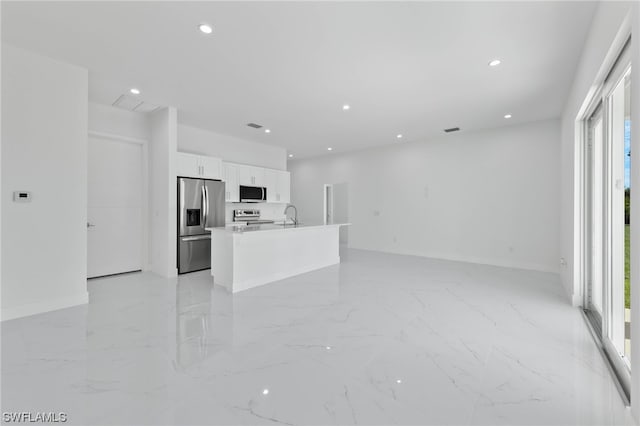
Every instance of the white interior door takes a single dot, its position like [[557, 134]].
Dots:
[[115, 207]]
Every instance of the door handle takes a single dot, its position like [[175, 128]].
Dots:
[[203, 206], [90, 225], [206, 205], [196, 238]]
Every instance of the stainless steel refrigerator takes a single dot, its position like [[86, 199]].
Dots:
[[200, 206]]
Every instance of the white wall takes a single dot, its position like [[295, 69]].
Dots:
[[488, 197], [116, 121], [198, 141], [163, 191], [597, 58], [44, 142]]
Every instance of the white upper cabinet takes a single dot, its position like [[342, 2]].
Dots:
[[250, 175], [187, 165], [271, 183], [211, 167], [283, 187], [198, 166], [277, 182], [230, 176]]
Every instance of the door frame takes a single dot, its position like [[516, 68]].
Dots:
[[612, 68], [144, 144], [326, 193]]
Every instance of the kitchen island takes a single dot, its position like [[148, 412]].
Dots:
[[244, 257]]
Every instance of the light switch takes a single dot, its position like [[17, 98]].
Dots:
[[22, 196]]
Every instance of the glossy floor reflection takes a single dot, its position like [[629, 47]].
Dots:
[[379, 339]]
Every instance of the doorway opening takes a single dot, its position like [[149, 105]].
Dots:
[[336, 208]]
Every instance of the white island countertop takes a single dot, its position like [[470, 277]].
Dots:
[[241, 229], [246, 256]]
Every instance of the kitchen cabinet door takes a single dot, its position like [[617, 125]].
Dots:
[[258, 176], [211, 167], [232, 190], [283, 194], [271, 183], [188, 165], [245, 175], [250, 175]]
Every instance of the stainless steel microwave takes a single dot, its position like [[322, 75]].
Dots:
[[253, 194]]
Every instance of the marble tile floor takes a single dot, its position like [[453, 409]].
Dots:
[[379, 339]]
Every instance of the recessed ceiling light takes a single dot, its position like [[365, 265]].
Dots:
[[265, 392], [399, 381], [135, 91], [267, 131], [328, 348], [329, 149], [205, 28], [399, 136], [346, 107], [494, 63], [507, 116], [290, 155]]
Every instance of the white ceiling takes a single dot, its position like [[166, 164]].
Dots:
[[404, 67]]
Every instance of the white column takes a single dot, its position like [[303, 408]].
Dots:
[[163, 193]]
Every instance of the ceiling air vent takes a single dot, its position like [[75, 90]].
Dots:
[[451, 129], [146, 107], [133, 103], [127, 102], [254, 125]]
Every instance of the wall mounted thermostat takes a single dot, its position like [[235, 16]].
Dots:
[[22, 196]]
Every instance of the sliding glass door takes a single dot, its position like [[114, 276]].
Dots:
[[607, 251], [594, 294]]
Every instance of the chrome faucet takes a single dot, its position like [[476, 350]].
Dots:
[[295, 210]]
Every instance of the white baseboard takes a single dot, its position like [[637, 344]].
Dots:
[[472, 259], [576, 300], [41, 307]]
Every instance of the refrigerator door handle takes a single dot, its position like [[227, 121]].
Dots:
[[206, 200], [181, 197], [203, 213], [197, 238]]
